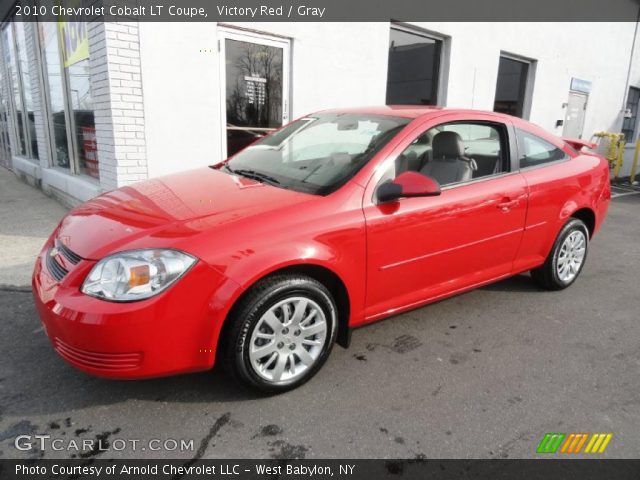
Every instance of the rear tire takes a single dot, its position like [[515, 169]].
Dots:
[[566, 259], [282, 332]]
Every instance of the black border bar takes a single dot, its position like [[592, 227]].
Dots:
[[331, 10], [401, 469]]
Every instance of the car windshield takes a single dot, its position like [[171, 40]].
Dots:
[[316, 154]]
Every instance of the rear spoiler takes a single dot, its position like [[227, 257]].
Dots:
[[579, 144]]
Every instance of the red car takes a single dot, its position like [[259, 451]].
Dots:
[[339, 219]]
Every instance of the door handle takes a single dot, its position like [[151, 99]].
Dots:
[[507, 203]]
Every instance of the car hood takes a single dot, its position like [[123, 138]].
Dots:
[[166, 211]]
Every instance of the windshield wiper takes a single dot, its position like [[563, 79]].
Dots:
[[252, 174]]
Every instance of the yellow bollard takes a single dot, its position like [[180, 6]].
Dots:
[[620, 157], [634, 167]]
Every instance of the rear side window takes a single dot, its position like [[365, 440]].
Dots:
[[537, 151]]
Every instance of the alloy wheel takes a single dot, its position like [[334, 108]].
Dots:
[[571, 256], [288, 339]]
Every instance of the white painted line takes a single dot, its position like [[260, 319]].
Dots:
[[624, 189], [616, 195]]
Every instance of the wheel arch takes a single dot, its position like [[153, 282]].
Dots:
[[328, 277], [588, 216]]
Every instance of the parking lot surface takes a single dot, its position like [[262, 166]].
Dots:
[[481, 375]]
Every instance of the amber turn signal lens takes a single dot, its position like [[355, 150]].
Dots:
[[138, 275]]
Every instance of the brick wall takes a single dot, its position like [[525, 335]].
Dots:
[[118, 104]]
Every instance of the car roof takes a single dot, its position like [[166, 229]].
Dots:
[[411, 111], [426, 111]]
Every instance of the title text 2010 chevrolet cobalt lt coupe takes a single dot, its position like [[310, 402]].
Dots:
[[339, 219]]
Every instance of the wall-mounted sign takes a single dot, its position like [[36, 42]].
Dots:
[[74, 42], [579, 85]]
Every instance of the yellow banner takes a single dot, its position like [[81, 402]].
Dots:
[[74, 42]]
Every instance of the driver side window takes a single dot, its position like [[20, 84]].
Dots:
[[456, 153]]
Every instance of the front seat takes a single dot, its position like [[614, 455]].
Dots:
[[449, 163]]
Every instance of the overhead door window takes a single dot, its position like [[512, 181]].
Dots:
[[414, 68], [511, 87]]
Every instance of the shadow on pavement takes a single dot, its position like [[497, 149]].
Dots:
[[31, 364], [519, 283]]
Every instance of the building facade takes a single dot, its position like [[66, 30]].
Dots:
[[88, 107]]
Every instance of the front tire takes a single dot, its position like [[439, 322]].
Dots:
[[567, 257], [281, 333]]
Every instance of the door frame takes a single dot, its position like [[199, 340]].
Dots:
[[250, 36]]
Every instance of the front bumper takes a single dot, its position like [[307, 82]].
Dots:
[[174, 332]]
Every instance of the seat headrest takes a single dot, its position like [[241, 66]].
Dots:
[[405, 161], [447, 145]]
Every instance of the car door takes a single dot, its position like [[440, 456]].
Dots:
[[428, 247]]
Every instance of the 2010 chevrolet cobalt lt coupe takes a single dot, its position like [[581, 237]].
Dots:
[[339, 219]]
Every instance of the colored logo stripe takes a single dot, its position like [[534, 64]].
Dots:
[[550, 442], [573, 442], [598, 443]]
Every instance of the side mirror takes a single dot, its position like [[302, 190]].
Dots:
[[408, 184]]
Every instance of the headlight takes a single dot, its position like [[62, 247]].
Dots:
[[136, 274]]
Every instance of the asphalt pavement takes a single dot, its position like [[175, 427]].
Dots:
[[482, 375]]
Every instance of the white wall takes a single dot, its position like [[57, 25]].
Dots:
[[634, 81], [345, 64], [181, 96], [590, 51]]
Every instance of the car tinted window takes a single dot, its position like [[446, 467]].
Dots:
[[537, 151], [317, 154]]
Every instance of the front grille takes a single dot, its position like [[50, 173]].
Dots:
[[101, 361], [55, 269], [68, 254]]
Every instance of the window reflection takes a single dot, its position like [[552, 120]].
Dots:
[[253, 93], [511, 87], [413, 69], [25, 71], [82, 106], [49, 38], [12, 70]]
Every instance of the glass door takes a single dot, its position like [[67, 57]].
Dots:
[[254, 81]]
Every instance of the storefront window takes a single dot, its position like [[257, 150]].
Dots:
[[26, 77], [82, 107], [65, 48], [14, 85], [54, 80]]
